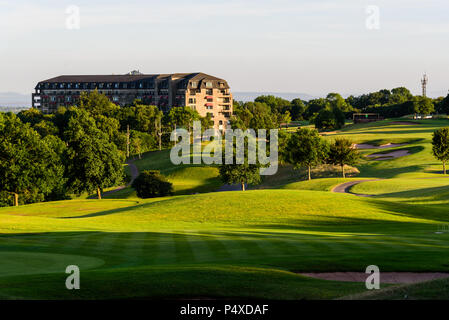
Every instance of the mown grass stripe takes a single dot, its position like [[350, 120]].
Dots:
[[166, 249], [151, 246], [215, 245], [183, 250]]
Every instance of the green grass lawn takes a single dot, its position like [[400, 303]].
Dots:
[[240, 244], [157, 246]]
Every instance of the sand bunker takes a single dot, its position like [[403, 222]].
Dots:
[[384, 146], [390, 155], [385, 277]]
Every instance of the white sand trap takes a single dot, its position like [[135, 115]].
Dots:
[[385, 277], [390, 155], [384, 146]]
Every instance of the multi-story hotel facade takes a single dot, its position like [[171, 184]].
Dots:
[[204, 93]]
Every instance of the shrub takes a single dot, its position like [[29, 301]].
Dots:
[[151, 184]]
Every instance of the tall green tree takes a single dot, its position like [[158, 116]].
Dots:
[[337, 101], [97, 104], [28, 164], [93, 161], [423, 105], [443, 105], [243, 174], [254, 115], [440, 146], [298, 109], [342, 153], [182, 117], [306, 149]]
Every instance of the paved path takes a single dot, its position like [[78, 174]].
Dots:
[[230, 187], [385, 277], [346, 187]]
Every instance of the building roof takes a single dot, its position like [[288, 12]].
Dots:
[[127, 77]]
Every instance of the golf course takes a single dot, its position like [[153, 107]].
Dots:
[[204, 244]]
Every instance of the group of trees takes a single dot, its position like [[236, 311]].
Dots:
[[396, 103], [305, 148], [79, 149], [331, 112]]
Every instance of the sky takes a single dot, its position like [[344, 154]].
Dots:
[[306, 46]]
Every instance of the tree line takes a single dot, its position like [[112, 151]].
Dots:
[[331, 112], [45, 157]]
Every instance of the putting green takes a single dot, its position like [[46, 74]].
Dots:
[[25, 263]]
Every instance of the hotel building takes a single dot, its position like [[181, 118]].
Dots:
[[204, 93]]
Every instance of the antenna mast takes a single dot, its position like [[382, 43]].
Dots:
[[424, 81]]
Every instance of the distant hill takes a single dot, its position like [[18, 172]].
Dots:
[[16, 100], [250, 96]]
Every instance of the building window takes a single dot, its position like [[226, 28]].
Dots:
[[116, 85], [115, 99], [141, 85], [125, 86], [194, 84], [208, 84], [192, 100]]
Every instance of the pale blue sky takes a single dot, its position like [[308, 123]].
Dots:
[[309, 46]]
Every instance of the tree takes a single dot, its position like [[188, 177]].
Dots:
[[93, 161], [28, 165], [315, 106], [243, 174], [443, 105], [182, 117], [276, 104], [400, 95], [97, 104], [298, 109], [337, 101], [440, 146], [284, 118], [423, 105], [240, 173], [151, 184], [254, 115], [342, 153], [306, 148], [31, 116]]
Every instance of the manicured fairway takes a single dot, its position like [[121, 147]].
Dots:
[[238, 244], [271, 232]]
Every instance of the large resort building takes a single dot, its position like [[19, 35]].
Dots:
[[204, 93]]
